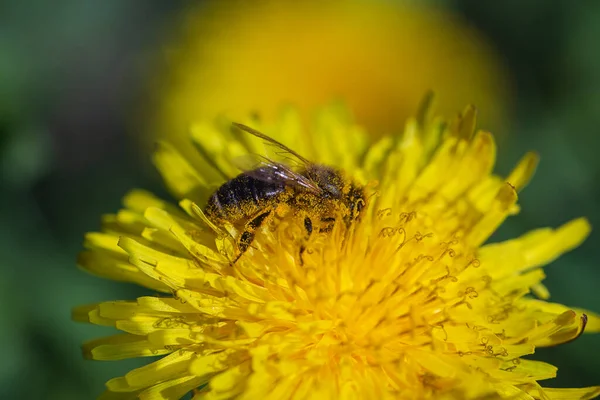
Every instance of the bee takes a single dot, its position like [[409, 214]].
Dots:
[[317, 192]]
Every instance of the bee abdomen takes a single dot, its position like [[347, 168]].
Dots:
[[241, 197]]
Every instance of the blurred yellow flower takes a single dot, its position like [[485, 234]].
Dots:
[[406, 303], [239, 57]]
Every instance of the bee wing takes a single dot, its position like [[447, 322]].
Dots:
[[289, 154], [266, 170]]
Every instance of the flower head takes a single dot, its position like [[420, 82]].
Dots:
[[405, 302], [238, 57]]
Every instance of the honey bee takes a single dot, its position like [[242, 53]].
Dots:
[[317, 192]]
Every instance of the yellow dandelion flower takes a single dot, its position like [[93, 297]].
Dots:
[[407, 302], [238, 57]]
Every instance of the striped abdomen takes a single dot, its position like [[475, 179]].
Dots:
[[241, 198]]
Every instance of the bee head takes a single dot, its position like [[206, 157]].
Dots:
[[335, 187]]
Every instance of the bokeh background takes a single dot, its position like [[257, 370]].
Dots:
[[85, 86]]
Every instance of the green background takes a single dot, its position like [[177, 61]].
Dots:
[[72, 78]]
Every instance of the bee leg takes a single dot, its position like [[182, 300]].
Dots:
[[247, 236], [309, 228], [329, 227]]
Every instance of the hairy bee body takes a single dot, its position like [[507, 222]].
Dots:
[[242, 197], [316, 192]]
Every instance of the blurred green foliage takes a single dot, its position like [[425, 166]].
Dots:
[[71, 80]]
